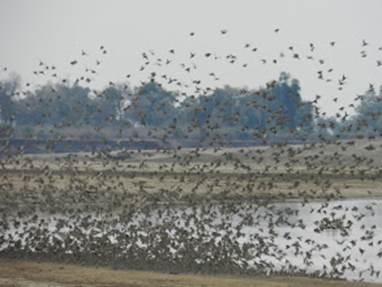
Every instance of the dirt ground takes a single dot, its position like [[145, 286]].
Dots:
[[15, 273]]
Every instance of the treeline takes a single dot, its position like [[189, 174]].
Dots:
[[366, 122], [226, 115]]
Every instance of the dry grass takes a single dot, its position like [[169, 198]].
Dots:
[[25, 273], [162, 172], [229, 186]]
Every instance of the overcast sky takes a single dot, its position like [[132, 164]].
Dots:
[[55, 32]]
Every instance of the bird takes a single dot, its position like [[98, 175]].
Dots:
[[208, 178]]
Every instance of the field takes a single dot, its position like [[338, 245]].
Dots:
[[319, 171]]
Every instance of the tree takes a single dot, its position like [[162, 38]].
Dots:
[[151, 105], [8, 90], [369, 112], [60, 104], [109, 106]]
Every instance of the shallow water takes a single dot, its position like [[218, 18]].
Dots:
[[285, 235]]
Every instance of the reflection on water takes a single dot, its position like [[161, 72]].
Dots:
[[338, 238]]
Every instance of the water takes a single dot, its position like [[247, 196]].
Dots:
[[285, 236]]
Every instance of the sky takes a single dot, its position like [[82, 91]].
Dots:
[[56, 32]]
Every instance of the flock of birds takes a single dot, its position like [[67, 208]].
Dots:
[[204, 209]]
